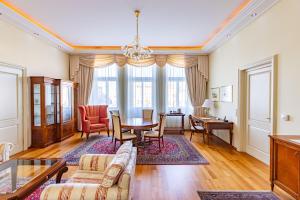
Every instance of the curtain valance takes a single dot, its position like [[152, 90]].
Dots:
[[161, 60]]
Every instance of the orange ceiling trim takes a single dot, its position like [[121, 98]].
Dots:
[[33, 21], [221, 27], [224, 24], [151, 47]]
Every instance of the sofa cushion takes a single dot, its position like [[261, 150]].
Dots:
[[93, 119], [116, 167], [97, 126], [85, 176], [126, 147]]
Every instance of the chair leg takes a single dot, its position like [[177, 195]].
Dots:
[[159, 144], [115, 144], [192, 133], [87, 136], [112, 136], [108, 132], [162, 138], [81, 134]]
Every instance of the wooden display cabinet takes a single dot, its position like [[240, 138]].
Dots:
[[66, 110], [52, 110]]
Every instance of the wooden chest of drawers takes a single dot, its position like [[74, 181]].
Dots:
[[285, 164]]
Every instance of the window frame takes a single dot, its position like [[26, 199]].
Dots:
[[106, 80]]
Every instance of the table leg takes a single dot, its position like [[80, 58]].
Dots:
[[208, 132], [60, 173], [231, 133], [182, 125]]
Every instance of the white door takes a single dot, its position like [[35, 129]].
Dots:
[[11, 106], [259, 83]]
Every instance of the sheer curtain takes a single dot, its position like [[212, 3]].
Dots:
[[141, 90], [177, 96], [105, 88]]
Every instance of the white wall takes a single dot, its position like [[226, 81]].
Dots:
[[37, 56], [277, 32]]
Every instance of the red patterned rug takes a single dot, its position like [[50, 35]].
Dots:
[[177, 150], [37, 193]]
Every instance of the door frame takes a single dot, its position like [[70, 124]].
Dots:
[[25, 109], [272, 62]]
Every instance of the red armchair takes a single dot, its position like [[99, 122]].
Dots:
[[94, 119]]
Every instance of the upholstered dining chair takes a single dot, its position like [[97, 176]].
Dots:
[[158, 135], [116, 112], [148, 114], [93, 119], [119, 135], [196, 126]]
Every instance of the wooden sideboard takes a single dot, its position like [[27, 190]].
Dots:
[[285, 163]]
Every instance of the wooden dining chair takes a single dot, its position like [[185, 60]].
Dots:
[[158, 135], [147, 114], [113, 112], [118, 134], [196, 127]]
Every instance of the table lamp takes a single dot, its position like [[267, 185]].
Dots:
[[207, 105]]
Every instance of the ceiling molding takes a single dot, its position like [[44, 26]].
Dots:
[[237, 20], [253, 11]]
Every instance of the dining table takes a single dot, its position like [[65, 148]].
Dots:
[[138, 124]]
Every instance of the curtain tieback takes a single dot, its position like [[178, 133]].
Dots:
[[198, 106]]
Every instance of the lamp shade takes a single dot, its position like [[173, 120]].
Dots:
[[207, 103]]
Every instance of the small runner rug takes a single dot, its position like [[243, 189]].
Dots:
[[237, 195], [177, 150]]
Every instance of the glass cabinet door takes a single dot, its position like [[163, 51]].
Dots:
[[50, 103], [67, 102], [37, 105], [57, 105]]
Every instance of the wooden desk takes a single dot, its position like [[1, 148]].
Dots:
[[285, 163], [180, 129], [214, 124]]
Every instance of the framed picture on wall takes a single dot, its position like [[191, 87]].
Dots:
[[215, 94], [226, 93]]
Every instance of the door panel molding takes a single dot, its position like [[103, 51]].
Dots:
[[16, 120], [242, 123]]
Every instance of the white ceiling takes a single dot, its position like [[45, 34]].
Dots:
[[112, 22], [71, 24]]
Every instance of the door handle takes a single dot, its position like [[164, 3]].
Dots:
[[268, 118]]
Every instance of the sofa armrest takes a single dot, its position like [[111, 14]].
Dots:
[[95, 162], [79, 191], [104, 121], [86, 125]]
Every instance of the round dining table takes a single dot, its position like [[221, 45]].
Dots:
[[138, 125]]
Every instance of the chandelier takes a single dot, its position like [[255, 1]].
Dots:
[[135, 50]]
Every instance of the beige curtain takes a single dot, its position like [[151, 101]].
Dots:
[[197, 77], [121, 60], [86, 75]]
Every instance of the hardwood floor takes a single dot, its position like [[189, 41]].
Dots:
[[227, 170]]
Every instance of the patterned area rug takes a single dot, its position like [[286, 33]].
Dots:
[[237, 195], [177, 151], [37, 193]]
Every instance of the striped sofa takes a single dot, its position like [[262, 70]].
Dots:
[[100, 176]]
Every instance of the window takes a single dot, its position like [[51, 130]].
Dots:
[[176, 90], [141, 89], [105, 88]]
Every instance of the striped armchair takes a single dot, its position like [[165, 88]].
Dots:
[[100, 176]]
